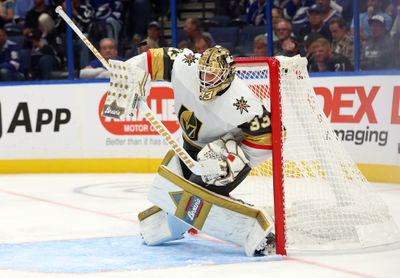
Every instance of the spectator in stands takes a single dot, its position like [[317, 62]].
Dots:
[[193, 30], [10, 62], [257, 13], [32, 16], [21, 9], [261, 46], [7, 9], [296, 12], [395, 31], [324, 59], [395, 34], [378, 50], [108, 12], [291, 47], [391, 9], [82, 16], [185, 44], [141, 47], [342, 41], [374, 7], [276, 15], [283, 31], [327, 12], [315, 25], [344, 7], [154, 33], [46, 48], [146, 45], [95, 69], [139, 14], [202, 43]]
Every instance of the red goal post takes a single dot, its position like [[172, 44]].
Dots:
[[321, 201]]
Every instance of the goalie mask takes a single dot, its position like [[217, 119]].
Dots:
[[216, 72]]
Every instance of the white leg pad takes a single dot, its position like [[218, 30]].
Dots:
[[213, 214], [157, 226]]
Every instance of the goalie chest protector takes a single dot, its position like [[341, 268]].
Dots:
[[203, 122]]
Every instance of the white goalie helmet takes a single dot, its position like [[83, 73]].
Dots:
[[216, 71]]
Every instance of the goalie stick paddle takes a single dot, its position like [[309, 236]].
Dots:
[[192, 164]]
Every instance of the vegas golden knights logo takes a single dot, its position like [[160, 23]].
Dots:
[[189, 123]]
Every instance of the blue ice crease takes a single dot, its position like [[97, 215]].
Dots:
[[117, 254]]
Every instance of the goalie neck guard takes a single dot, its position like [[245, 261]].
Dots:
[[216, 72]]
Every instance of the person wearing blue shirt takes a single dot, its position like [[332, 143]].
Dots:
[[296, 10], [11, 68], [374, 7], [257, 13]]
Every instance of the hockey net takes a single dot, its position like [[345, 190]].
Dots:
[[320, 199]]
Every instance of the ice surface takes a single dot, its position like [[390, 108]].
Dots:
[[84, 225]]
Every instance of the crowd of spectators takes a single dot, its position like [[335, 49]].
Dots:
[[33, 37]]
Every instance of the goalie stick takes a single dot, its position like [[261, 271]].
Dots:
[[192, 164]]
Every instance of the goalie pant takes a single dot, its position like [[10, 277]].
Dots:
[[181, 205]]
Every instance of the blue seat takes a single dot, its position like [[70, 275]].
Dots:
[[19, 40], [249, 32], [225, 35], [181, 35], [245, 45], [222, 20], [13, 29]]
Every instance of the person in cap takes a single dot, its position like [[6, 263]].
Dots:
[[378, 50], [154, 33], [374, 7], [315, 27]]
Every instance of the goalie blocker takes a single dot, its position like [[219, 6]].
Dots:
[[181, 204]]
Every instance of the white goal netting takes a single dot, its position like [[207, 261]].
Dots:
[[328, 203]]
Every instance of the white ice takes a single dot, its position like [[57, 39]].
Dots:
[[47, 207]]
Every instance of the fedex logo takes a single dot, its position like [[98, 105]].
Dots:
[[356, 97]]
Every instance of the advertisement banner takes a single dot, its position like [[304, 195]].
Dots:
[[364, 112], [63, 121]]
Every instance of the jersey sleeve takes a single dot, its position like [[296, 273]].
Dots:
[[158, 62], [257, 141]]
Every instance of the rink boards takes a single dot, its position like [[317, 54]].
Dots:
[[57, 126]]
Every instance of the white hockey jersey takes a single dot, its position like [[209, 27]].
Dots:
[[237, 110]]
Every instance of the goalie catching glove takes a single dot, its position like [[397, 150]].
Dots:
[[226, 153], [128, 84]]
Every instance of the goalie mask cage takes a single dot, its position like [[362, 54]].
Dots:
[[320, 199]]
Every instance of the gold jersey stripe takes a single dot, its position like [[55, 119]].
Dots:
[[157, 63], [263, 139]]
